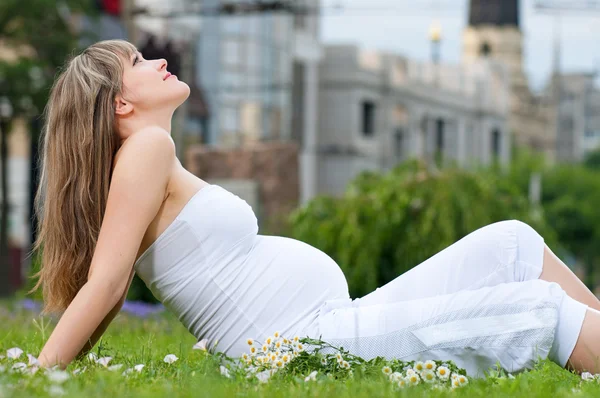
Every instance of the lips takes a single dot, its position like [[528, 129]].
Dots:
[[167, 76]]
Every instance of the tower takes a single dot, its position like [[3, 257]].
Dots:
[[494, 33]]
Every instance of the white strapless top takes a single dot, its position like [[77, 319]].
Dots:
[[226, 283]]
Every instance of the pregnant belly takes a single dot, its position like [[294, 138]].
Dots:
[[281, 282]]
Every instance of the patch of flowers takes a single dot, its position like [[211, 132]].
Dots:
[[311, 360]]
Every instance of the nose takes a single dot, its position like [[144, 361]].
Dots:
[[162, 63]]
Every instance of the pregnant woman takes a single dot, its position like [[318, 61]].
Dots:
[[115, 200]]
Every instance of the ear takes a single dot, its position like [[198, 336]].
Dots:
[[122, 107]]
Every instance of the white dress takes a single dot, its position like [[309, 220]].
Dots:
[[477, 302]]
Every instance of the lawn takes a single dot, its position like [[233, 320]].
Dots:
[[135, 340]]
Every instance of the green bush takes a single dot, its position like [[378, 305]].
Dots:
[[385, 224]]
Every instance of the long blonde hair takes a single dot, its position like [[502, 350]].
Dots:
[[77, 148]]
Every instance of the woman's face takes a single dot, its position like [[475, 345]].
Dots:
[[148, 86]]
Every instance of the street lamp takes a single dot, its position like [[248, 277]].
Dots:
[[435, 37]]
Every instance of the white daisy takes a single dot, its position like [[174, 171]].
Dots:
[[428, 376], [324, 361], [250, 341], [269, 340], [419, 366], [462, 380], [386, 370], [170, 358], [430, 365], [401, 383], [345, 365], [277, 334], [265, 348], [413, 379], [285, 358], [443, 372], [396, 376]]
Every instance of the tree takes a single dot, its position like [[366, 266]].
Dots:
[[38, 36], [385, 224]]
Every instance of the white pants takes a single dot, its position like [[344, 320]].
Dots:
[[478, 302]]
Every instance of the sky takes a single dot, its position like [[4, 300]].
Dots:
[[402, 26]]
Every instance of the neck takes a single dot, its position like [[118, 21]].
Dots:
[[137, 121]]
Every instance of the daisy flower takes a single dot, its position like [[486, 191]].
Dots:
[[279, 363], [285, 358], [413, 379], [296, 338], [299, 347], [419, 366], [428, 376], [286, 341], [396, 376], [265, 348], [443, 372], [250, 342], [269, 340], [462, 380], [323, 361], [273, 357], [253, 350], [386, 370], [245, 356], [339, 357], [276, 334], [430, 365], [401, 383], [278, 344], [345, 365]]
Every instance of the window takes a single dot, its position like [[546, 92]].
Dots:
[[485, 50], [368, 118], [496, 142], [399, 142], [439, 135]]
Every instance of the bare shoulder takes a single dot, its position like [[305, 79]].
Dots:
[[138, 186], [151, 140]]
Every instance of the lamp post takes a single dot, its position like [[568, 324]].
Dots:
[[435, 37], [5, 117]]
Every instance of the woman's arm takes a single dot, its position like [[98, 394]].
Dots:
[[105, 322], [138, 186]]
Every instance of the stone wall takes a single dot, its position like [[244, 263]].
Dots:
[[273, 165]]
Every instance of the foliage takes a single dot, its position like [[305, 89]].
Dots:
[[385, 224], [42, 36]]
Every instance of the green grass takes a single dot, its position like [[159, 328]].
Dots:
[[132, 341]]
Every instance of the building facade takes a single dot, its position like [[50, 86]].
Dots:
[[379, 109], [578, 126]]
